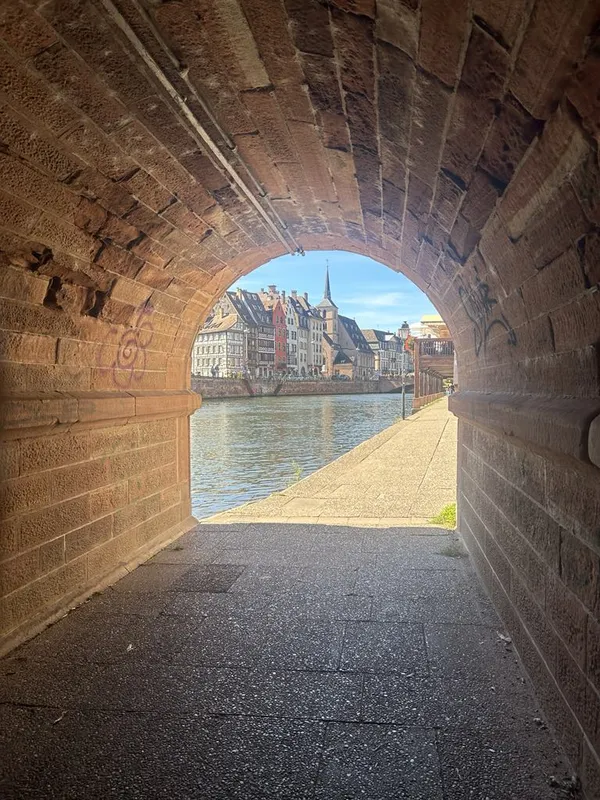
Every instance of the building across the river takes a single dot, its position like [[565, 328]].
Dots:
[[261, 332], [316, 330], [390, 353], [238, 338], [271, 333], [220, 349], [304, 330], [347, 352]]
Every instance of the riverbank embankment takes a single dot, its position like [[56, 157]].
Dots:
[[217, 388], [401, 477]]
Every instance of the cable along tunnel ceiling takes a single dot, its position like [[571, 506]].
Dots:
[[192, 141]]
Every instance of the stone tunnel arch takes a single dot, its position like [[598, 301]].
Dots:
[[151, 153]]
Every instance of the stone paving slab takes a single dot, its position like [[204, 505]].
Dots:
[[403, 477], [370, 666]]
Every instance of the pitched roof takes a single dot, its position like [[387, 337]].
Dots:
[[373, 336], [268, 301], [326, 304], [309, 308], [342, 358], [249, 307], [213, 324], [300, 311], [355, 333]]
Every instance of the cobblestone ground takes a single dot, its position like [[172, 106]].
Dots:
[[402, 476], [280, 661]]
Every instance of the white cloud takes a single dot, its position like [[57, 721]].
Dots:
[[381, 300]]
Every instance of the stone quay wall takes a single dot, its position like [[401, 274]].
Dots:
[[213, 388], [210, 388]]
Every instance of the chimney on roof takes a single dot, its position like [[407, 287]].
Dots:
[[238, 291], [294, 293], [306, 296], [262, 291], [283, 295], [272, 288]]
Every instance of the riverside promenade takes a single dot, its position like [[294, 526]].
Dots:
[[280, 660], [401, 477]]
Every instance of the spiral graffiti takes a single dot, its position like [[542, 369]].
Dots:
[[130, 361]]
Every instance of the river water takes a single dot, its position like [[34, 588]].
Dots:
[[244, 449]]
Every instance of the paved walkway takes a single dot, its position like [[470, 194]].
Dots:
[[280, 661], [288, 661], [403, 476]]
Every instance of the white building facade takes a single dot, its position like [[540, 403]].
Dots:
[[221, 349], [302, 331], [316, 329]]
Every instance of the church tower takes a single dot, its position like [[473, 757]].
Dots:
[[328, 310]]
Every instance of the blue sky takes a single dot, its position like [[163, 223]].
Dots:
[[374, 295]]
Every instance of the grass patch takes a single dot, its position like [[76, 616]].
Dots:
[[446, 518]]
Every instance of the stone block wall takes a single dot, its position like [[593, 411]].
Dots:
[[84, 499], [532, 525]]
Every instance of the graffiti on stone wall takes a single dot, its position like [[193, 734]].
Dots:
[[485, 314], [128, 366]]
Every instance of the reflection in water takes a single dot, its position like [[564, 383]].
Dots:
[[244, 449]]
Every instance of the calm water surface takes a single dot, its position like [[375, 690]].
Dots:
[[244, 449]]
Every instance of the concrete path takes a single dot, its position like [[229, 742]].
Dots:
[[260, 661], [403, 476]]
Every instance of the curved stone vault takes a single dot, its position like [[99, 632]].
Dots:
[[153, 152]]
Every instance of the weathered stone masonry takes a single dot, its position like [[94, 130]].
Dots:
[[151, 153]]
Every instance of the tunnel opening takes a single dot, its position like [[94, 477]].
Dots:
[[319, 371]]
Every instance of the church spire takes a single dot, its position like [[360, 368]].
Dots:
[[326, 302], [327, 292]]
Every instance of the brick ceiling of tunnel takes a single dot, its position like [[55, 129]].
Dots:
[[391, 128]]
